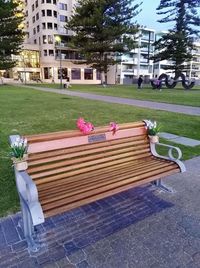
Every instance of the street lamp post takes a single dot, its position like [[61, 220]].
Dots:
[[58, 41]]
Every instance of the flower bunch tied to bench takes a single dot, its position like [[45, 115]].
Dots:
[[19, 153], [84, 127], [152, 129]]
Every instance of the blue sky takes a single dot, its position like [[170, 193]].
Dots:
[[148, 16]]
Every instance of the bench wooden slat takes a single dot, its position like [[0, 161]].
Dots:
[[75, 160], [81, 140], [108, 161], [104, 172], [76, 133], [86, 147], [97, 181], [100, 193], [135, 145]]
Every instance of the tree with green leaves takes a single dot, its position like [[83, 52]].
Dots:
[[177, 44], [11, 32], [103, 28]]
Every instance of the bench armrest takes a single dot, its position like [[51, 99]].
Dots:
[[170, 156], [28, 192]]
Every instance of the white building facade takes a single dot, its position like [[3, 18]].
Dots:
[[45, 21]]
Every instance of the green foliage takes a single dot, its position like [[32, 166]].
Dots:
[[44, 112], [103, 28], [19, 148], [176, 45], [11, 32]]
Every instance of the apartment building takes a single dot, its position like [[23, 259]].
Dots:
[[47, 37], [47, 56], [137, 62]]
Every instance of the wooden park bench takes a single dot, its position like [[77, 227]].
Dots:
[[68, 169]]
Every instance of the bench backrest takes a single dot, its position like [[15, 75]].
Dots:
[[58, 155]]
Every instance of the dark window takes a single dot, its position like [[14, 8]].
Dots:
[[43, 13], [47, 73], [33, 7], [51, 52], [49, 12], [44, 38], [37, 16], [45, 52], [76, 73], [88, 74], [49, 25]]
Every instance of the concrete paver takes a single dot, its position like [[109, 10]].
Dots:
[[143, 227], [180, 140]]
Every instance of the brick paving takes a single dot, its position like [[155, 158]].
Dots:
[[143, 227]]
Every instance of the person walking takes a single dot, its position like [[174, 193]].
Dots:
[[140, 81]]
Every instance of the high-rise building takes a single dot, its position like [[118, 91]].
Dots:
[[46, 35], [46, 54]]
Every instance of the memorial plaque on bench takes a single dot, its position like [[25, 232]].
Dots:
[[96, 138]]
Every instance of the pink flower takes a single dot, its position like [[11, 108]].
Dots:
[[113, 127], [80, 122], [84, 127]]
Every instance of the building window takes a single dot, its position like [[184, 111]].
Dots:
[[36, 3], [45, 52], [51, 52], [42, 1], [48, 1], [43, 25], [33, 7], [35, 41], [43, 13], [38, 28], [54, 2], [44, 38], [47, 73], [63, 18], [37, 16], [62, 6], [49, 25], [33, 19], [88, 74], [49, 12], [50, 39], [55, 26], [55, 14], [76, 73], [34, 31]]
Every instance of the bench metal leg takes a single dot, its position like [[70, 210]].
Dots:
[[28, 228], [158, 183]]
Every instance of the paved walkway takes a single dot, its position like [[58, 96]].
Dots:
[[139, 103], [140, 228]]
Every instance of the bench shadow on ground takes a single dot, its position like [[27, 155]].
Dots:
[[69, 233], [81, 227]]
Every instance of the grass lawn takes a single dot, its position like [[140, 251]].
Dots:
[[28, 111], [176, 96]]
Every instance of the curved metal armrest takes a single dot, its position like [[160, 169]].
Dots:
[[170, 156], [170, 151], [31, 189]]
